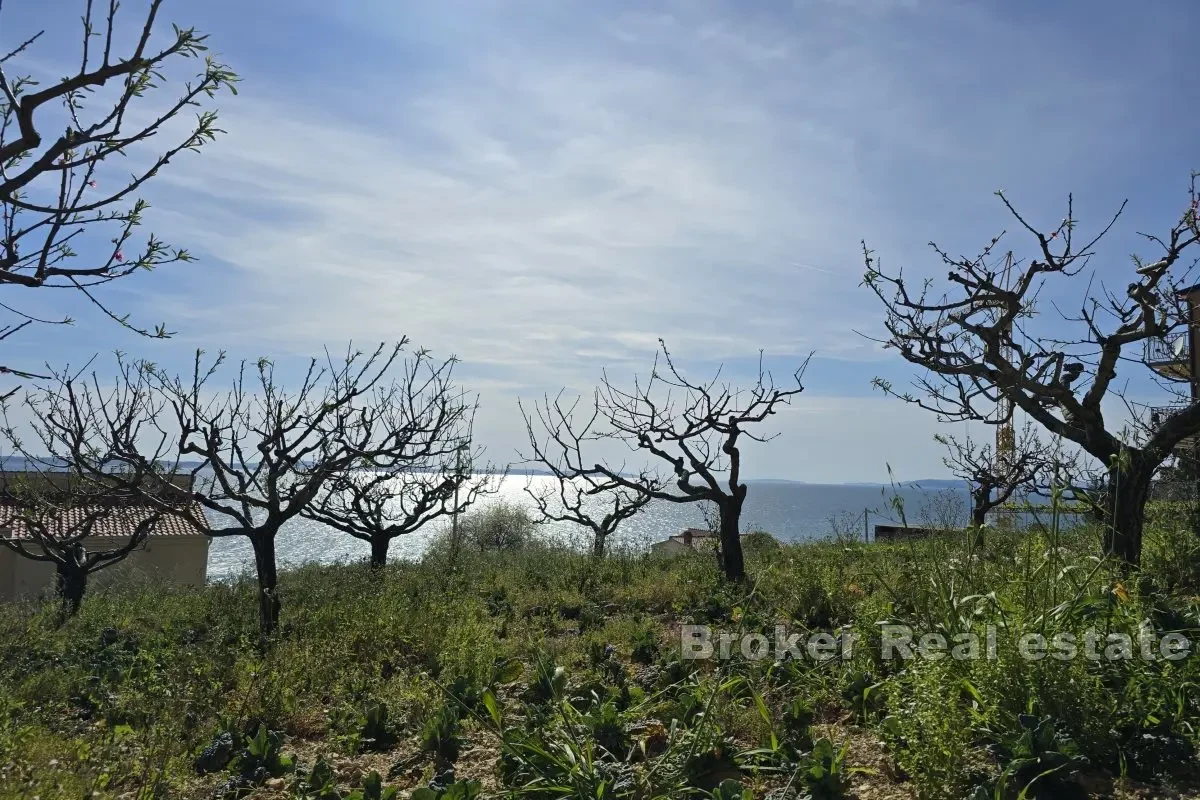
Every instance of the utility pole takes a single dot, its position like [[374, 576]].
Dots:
[[458, 479]]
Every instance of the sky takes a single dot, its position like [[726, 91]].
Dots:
[[543, 188]]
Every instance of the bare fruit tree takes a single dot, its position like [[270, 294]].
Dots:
[[566, 500], [259, 454], [427, 474], [594, 503], [379, 506], [983, 359], [59, 530], [69, 220], [273, 451], [994, 477], [696, 429], [93, 456], [68, 216]]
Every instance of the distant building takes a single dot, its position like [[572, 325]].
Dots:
[[691, 539], [893, 533], [174, 551]]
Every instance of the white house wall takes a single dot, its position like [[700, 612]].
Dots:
[[178, 560]]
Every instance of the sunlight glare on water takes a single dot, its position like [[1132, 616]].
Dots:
[[790, 511]]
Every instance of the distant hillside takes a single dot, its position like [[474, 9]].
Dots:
[[925, 483], [20, 464]]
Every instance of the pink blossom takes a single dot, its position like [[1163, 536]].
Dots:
[[119, 256], [92, 184]]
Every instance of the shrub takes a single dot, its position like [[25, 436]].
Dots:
[[497, 528], [759, 544], [439, 734]]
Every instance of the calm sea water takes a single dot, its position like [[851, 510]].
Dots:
[[790, 511]]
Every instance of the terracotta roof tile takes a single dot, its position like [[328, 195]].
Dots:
[[118, 522]]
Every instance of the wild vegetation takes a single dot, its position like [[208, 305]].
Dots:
[[503, 678], [502, 666]]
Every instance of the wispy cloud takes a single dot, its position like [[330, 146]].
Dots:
[[546, 191]]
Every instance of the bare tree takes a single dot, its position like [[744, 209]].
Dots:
[[380, 506], [695, 428], [67, 221], [258, 454], [426, 473], [983, 361], [567, 500], [942, 510], [44, 525], [81, 488], [272, 452], [995, 477], [583, 500], [595, 503]]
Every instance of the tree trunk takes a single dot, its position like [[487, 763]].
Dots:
[[268, 581], [70, 585], [1195, 488], [979, 516], [379, 551], [598, 539], [598, 546], [981, 503], [1127, 493], [731, 543]]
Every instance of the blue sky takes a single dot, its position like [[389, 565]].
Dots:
[[544, 188]]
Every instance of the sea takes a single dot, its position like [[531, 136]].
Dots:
[[788, 510]]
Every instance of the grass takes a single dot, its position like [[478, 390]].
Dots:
[[501, 678]]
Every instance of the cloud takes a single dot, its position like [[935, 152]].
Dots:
[[590, 208], [564, 185]]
